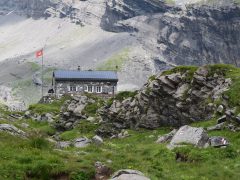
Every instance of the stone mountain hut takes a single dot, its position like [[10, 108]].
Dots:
[[103, 83]]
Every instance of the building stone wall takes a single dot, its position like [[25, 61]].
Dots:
[[68, 87]]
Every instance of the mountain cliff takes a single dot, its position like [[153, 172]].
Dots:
[[31, 8], [201, 35]]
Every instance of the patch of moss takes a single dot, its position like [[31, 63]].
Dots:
[[170, 2], [125, 94], [219, 69], [152, 78], [121, 96], [69, 135], [189, 70], [84, 128], [91, 108]]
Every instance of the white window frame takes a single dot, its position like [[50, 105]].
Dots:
[[100, 89], [92, 87], [72, 88]]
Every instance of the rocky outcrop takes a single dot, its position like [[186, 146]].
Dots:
[[169, 100], [72, 112]]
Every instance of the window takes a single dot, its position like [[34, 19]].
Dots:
[[90, 88], [73, 88], [99, 89]]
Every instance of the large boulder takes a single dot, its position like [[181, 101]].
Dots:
[[8, 128], [190, 135], [128, 174]]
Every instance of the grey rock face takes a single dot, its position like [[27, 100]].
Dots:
[[127, 174], [12, 130], [119, 10], [31, 8], [190, 135], [198, 35]]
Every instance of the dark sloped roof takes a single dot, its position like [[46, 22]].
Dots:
[[86, 75]]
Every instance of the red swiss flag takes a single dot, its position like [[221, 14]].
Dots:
[[39, 53]]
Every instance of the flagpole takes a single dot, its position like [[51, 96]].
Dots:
[[42, 74]]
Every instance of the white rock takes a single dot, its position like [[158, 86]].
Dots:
[[220, 108], [91, 119]]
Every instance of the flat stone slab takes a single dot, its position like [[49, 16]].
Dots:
[[81, 142], [217, 141], [128, 174], [190, 135], [8, 128]]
